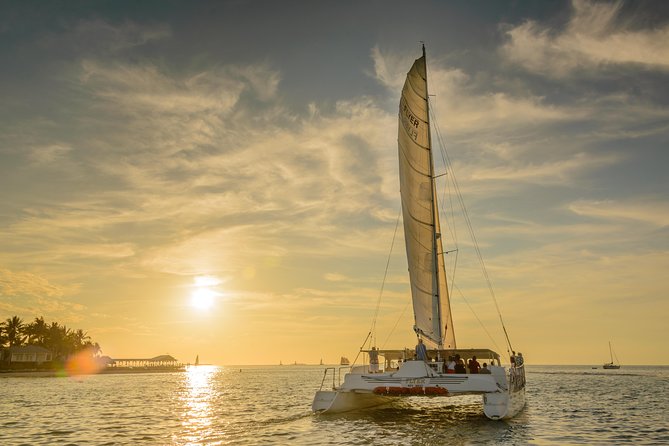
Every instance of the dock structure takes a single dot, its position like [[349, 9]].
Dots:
[[158, 362]]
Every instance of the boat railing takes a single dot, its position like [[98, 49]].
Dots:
[[336, 375], [517, 377]]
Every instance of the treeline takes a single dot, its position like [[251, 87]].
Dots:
[[58, 339]]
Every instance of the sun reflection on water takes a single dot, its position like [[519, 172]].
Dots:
[[198, 398]]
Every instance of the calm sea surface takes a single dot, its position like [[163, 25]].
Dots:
[[271, 405]]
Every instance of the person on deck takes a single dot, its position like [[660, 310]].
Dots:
[[459, 365], [450, 366], [485, 370], [519, 359], [474, 365], [374, 360], [421, 351]]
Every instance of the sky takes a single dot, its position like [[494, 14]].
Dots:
[[219, 178]]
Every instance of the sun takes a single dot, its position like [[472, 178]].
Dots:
[[202, 298], [204, 295]]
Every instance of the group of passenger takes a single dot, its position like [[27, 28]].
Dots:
[[454, 364]]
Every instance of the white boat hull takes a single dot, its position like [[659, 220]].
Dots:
[[360, 390], [503, 405], [338, 401]]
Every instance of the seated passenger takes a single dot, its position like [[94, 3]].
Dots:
[[459, 365], [450, 366], [474, 365], [485, 369]]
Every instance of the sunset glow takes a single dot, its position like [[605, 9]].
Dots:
[[165, 171], [203, 297]]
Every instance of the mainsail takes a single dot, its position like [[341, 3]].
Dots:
[[422, 232]]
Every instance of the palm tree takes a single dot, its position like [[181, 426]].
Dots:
[[56, 340], [81, 339], [3, 337], [14, 331], [59, 339], [37, 331]]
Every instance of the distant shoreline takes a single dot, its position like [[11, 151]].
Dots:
[[106, 371]]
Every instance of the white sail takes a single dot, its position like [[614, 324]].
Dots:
[[419, 209]]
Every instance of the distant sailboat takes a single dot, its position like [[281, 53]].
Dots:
[[197, 360], [321, 361], [611, 365], [405, 372], [344, 361]]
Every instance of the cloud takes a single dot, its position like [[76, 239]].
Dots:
[[104, 37], [122, 36], [27, 284], [468, 105], [142, 89], [26, 293], [593, 38], [651, 212], [390, 68], [49, 154], [547, 172]]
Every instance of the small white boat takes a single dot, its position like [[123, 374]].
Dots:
[[406, 372], [611, 365]]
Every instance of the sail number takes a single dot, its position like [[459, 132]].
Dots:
[[409, 121]]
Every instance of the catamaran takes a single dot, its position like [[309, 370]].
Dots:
[[392, 374]]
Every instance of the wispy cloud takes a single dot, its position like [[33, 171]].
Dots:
[[593, 38], [97, 35], [23, 292], [24, 283], [149, 164], [653, 212], [49, 154]]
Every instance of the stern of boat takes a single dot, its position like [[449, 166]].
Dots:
[[511, 399], [323, 400]]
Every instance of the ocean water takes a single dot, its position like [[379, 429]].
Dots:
[[271, 405]]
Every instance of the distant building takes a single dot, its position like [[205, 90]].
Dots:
[[25, 355], [161, 361]]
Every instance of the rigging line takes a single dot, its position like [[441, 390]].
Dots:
[[450, 223], [476, 316], [395, 326], [385, 275], [468, 223], [360, 349]]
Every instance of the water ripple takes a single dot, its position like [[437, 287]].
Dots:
[[270, 405]]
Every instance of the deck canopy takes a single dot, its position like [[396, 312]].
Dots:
[[465, 353]]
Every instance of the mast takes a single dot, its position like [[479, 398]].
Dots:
[[437, 248], [436, 301]]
